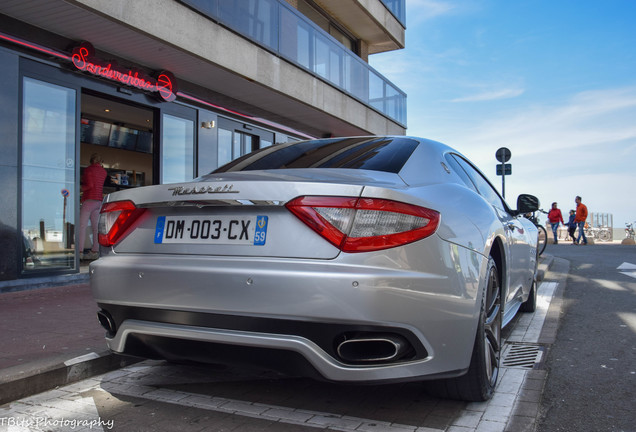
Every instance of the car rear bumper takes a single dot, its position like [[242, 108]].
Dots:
[[179, 342], [300, 306]]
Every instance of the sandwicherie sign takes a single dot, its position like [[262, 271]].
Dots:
[[84, 59]]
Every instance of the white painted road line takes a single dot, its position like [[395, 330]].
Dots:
[[528, 327]]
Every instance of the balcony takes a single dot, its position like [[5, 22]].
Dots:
[[281, 29], [376, 22], [398, 9]]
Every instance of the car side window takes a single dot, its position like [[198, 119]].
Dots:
[[484, 188], [460, 172]]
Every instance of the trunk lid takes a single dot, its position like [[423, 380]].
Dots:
[[239, 213]]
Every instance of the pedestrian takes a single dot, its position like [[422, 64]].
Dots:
[[579, 219], [92, 195], [571, 226], [555, 217]]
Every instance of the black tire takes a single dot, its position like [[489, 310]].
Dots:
[[543, 239], [530, 305], [478, 384]]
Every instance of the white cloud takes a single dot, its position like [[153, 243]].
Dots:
[[592, 118], [504, 93]]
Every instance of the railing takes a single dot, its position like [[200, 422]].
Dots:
[[398, 9], [281, 29], [601, 220]]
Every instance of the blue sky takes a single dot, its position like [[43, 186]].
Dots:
[[552, 80]]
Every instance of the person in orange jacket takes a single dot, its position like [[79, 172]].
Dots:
[[554, 217], [579, 219]]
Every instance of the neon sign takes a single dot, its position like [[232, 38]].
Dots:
[[84, 59]]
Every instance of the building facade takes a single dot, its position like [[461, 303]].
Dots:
[[167, 90]]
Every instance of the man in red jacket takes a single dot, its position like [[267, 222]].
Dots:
[[93, 190], [555, 216], [580, 218]]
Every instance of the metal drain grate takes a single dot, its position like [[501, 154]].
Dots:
[[521, 356]]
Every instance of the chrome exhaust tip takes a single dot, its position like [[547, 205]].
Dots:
[[372, 348], [107, 321]]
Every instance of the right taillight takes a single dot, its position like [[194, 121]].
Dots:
[[364, 224], [114, 220]]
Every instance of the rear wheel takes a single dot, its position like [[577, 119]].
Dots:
[[478, 384], [605, 235]]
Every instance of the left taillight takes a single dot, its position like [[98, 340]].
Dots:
[[364, 224], [115, 218]]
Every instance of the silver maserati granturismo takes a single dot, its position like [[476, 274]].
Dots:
[[360, 259]]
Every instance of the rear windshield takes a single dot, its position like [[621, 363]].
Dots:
[[377, 154]]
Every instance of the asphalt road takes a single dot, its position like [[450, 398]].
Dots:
[[592, 366]]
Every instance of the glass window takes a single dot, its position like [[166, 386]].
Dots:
[[376, 91], [325, 24], [397, 8], [335, 63], [266, 143], [483, 186], [236, 145], [177, 150], [378, 154], [233, 144], [225, 146], [257, 19], [303, 50], [342, 38], [315, 16], [322, 58], [456, 167], [48, 176], [357, 78]]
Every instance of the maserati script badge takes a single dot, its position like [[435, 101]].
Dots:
[[180, 190]]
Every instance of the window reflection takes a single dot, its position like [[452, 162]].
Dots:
[[397, 8], [177, 160], [225, 146], [48, 176], [233, 144]]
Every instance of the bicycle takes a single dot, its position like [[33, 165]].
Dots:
[[602, 234], [542, 241]]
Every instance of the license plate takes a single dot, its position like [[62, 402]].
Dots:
[[212, 230]]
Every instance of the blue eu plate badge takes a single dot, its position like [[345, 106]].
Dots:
[[161, 224], [260, 235]]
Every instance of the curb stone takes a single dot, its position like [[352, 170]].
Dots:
[[18, 384]]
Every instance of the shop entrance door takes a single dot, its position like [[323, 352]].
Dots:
[[121, 135]]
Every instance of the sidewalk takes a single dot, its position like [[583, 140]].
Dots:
[[50, 337]]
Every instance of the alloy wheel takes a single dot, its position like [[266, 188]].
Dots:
[[492, 327]]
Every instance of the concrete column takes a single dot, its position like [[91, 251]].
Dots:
[[364, 51]]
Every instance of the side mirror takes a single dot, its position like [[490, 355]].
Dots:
[[527, 204]]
